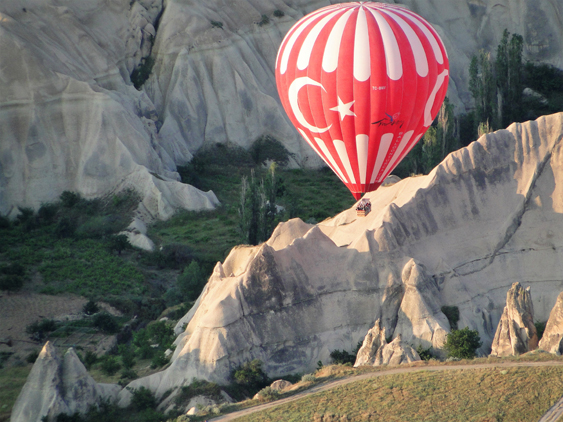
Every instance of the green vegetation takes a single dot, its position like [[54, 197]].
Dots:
[[142, 72], [249, 377], [452, 313], [513, 394], [462, 344], [217, 24]]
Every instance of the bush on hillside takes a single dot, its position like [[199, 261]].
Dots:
[[462, 344]]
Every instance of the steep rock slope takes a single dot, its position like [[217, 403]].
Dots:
[[69, 117], [489, 215], [57, 385], [214, 72]]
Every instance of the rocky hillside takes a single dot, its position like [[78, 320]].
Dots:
[[70, 118], [488, 216]]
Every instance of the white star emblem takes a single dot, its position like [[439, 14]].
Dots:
[[344, 109]]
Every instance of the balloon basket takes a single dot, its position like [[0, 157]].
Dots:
[[363, 208]]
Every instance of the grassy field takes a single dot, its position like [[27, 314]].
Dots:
[[511, 394], [11, 382]]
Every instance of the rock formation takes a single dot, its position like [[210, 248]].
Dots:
[[516, 332], [395, 353], [374, 339], [69, 117], [56, 386], [552, 339], [487, 216], [71, 120]]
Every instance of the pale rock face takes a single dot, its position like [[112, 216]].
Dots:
[[57, 386], [396, 353], [214, 84], [552, 339], [516, 332], [280, 385], [374, 339], [487, 216], [420, 317], [69, 119]]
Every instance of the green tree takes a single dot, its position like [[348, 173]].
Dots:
[[463, 343], [250, 375], [191, 282], [482, 85], [509, 74]]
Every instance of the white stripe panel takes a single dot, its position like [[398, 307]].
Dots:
[[431, 38], [309, 43], [384, 145], [343, 154], [420, 59], [293, 39], [311, 144], [391, 47], [332, 48], [362, 143], [406, 138], [362, 68], [428, 109], [328, 155]]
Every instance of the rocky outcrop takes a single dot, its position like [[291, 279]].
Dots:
[[70, 118], [516, 332], [487, 216], [374, 339], [420, 318], [395, 353], [552, 339], [214, 72], [56, 386]]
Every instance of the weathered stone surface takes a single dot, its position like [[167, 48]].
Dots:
[[487, 216], [395, 353], [374, 339], [280, 385], [69, 118], [516, 332], [552, 339], [56, 386]]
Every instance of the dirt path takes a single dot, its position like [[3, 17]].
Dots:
[[552, 414]]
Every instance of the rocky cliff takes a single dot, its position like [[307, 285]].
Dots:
[[71, 120], [488, 216], [57, 385]]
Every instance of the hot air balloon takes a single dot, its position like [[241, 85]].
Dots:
[[362, 82]]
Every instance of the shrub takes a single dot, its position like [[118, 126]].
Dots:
[[90, 308], [217, 24], [540, 328], [269, 148], [89, 359], [462, 344], [106, 323], [278, 13], [142, 72], [198, 388], [308, 378], [4, 222], [65, 227], [191, 282], [452, 313], [250, 375], [110, 365], [70, 199], [38, 330], [264, 20], [342, 357], [127, 355], [159, 359], [425, 354], [47, 212], [143, 399], [118, 243], [11, 282], [268, 394], [32, 356]]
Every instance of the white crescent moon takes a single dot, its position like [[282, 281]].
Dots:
[[293, 92]]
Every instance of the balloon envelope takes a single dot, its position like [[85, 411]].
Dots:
[[362, 82]]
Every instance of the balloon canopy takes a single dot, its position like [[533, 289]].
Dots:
[[362, 82]]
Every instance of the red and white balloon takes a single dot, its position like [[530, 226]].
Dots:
[[362, 82]]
